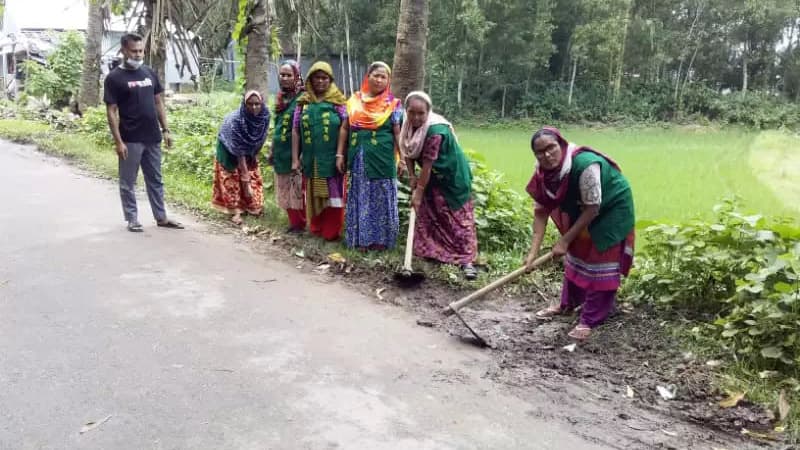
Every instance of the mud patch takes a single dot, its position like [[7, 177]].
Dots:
[[590, 388]]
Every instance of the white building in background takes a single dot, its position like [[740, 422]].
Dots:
[[31, 31]]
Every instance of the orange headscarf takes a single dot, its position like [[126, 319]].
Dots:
[[370, 113]]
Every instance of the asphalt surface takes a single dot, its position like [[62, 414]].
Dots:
[[182, 339]]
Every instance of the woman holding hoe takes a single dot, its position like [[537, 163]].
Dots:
[[442, 192], [591, 204]]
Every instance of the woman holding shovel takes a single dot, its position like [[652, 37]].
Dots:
[[591, 204], [441, 192]]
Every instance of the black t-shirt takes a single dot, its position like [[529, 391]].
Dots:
[[134, 92]]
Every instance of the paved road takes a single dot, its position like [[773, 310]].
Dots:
[[166, 332]]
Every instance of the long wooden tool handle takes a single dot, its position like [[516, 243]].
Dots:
[[455, 306], [412, 221]]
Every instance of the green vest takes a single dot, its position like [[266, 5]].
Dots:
[[616, 217], [451, 173], [319, 134], [378, 146], [282, 139]]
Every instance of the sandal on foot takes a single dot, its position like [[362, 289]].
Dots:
[[549, 312], [135, 227], [580, 333], [170, 224], [470, 272]]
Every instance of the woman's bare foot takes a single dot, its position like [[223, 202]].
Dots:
[[236, 219]]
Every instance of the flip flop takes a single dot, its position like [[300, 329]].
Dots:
[[171, 224], [580, 333], [549, 312]]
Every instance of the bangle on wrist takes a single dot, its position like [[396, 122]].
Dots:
[[339, 156]]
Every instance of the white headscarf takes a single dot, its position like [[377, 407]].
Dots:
[[412, 141]]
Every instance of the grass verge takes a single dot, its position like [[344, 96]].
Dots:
[[192, 193]]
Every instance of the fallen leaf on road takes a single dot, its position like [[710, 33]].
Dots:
[[783, 406], [380, 291], [629, 392], [271, 280], [667, 393], [570, 348], [337, 258], [714, 363], [424, 323], [300, 254], [732, 400], [669, 433], [755, 435], [92, 425]]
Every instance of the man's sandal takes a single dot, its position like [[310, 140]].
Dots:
[[170, 224]]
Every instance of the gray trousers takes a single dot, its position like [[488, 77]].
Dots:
[[148, 156]]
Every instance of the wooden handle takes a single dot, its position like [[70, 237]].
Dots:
[[412, 221], [455, 306]]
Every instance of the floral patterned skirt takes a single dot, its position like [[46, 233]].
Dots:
[[289, 190], [228, 196], [371, 216], [443, 234]]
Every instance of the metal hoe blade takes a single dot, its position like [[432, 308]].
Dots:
[[478, 341]]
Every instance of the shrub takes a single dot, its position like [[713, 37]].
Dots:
[[59, 79], [739, 277]]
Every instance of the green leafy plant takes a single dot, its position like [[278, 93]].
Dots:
[[738, 277], [59, 79]]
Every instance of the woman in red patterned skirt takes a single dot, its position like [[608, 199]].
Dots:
[[237, 178]]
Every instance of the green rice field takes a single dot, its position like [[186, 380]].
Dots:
[[676, 174]]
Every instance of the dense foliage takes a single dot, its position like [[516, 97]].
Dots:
[[621, 59], [59, 79], [738, 277]]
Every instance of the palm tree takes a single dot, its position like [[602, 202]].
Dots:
[[90, 75], [258, 42], [408, 73]]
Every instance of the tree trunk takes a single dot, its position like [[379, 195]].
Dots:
[[697, 14], [621, 60], [460, 87], [156, 46], [408, 73], [343, 80], [156, 42], [89, 94], [572, 80], [349, 60], [256, 60], [745, 77], [299, 36], [787, 59], [503, 103]]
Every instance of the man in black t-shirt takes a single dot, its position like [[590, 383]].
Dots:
[[135, 107]]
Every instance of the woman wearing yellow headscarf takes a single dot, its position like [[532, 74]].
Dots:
[[374, 114], [319, 133]]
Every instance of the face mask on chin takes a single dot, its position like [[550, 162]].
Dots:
[[133, 63]]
